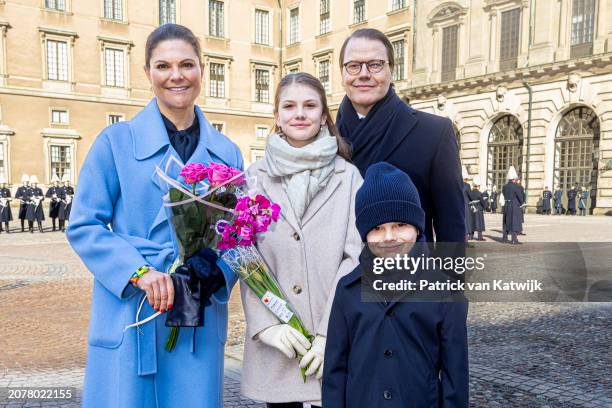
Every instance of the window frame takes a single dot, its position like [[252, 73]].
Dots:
[[223, 88], [176, 11], [66, 8], [69, 37], [291, 40], [328, 19], [267, 34], [121, 117], [122, 8], [223, 19], [255, 90], [404, 75], [59, 110], [260, 127], [352, 5], [120, 45]]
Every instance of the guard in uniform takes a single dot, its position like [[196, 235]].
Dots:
[[582, 202], [494, 197], [513, 196], [571, 201], [35, 208], [477, 206], [6, 215], [557, 197], [24, 193], [546, 196], [66, 195], [53, 193], [469, 231], [524, 194]]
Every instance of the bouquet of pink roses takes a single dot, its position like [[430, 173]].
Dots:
[[251, 217], [193, 215]]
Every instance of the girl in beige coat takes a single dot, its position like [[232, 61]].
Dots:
[[314, 243]]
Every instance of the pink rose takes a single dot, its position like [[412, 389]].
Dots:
[[275, 211], [194, 173], [219, 173]]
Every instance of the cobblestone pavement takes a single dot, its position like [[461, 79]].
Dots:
[[521, 354]]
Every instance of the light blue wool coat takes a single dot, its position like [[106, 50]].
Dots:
[[117, 225]]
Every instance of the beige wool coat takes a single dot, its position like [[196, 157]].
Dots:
[[308, 259]]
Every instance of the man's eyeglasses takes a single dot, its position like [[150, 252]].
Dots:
[[373, 66]]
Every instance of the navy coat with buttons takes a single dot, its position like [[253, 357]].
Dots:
[[396, 354]]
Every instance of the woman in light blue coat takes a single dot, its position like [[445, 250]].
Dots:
[[118, 225]]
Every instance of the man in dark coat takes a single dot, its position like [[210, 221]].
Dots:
[[546, 196], [24, 194], [477, 205], [513, 197], [571, 201], [35, 208], [485, 196], [391, 353], [6, 215], [382, 127], [66, 195], [469, 223], [557, 200], [583, 196], [53, 194], [494, 197]]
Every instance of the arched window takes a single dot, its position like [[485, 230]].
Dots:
[[505, 149], [577, 150]]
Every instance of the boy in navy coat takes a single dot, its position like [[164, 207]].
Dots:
[[391, 353]]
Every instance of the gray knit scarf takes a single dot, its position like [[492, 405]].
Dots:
[[304, 170]]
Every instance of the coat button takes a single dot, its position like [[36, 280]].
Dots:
[[297, 289], [387, 395], [388, 353], [296, 236]]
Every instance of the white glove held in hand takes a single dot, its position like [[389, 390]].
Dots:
[[313, 359], [286, 339]]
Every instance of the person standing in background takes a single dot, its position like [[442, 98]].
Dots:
[[582, 202], [6, 215], [546, 196], [35, 210], [53, 194], [571, 201], [513, 200], [477, 205], [494, 197], [557, 197], [24, 193]]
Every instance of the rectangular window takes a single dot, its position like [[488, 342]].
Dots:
[[59, 116], [358, 11], [114, 118], [509, 41], [167, 11], [2, 162], [583, 26], [324, 17], [324, 75], [59, 5], [294, 70], [399, 63], [218, 127], [261, 132], [57, 60], [114, 66], [217, 80], [398, 5], [262, 27], [256, 155], [112, 9], [449, 53], [60, 160], [215, 18], [294, 25], [262, 85]]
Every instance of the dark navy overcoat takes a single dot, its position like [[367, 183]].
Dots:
[[394, 354]]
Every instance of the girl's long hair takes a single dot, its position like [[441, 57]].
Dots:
[[303, 78]]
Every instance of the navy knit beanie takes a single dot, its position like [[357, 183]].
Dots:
[[387, 195]]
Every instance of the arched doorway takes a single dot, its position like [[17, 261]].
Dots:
[[577, 152], [504, 149]]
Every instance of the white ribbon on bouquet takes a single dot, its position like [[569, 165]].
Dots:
[[166, 203]]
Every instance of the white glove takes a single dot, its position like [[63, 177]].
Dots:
[[286, 339], [313, 359]]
